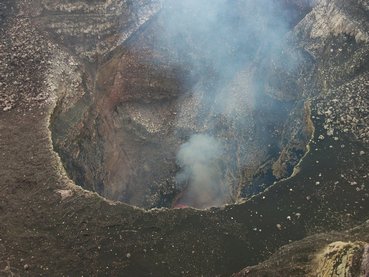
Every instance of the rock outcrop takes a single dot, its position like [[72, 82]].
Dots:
[[343, 259], [315, 256]]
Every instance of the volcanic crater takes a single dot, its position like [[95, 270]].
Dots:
[[162, 115], [125, 115]]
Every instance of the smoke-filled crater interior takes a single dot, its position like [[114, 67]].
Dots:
[[203, 105]]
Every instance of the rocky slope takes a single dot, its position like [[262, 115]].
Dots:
[[335, 33]]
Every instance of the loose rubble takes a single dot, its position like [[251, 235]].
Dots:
[[346, 110]]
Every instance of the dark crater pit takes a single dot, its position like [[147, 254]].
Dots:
[[231, 93]]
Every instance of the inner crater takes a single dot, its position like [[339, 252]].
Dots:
[[202, 106]]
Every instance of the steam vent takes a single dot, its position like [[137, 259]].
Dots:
[[184, 138]]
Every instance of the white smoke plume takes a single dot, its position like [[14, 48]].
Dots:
[[227, 47], [201, 162]]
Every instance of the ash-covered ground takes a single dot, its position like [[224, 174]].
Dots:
[[88, 98]]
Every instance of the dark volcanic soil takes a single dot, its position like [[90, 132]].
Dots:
[[83, 234]]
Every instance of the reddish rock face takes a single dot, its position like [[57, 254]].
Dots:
[[180, 206], [137, 105]]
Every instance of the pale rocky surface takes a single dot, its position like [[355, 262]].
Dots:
[[343, 259]]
